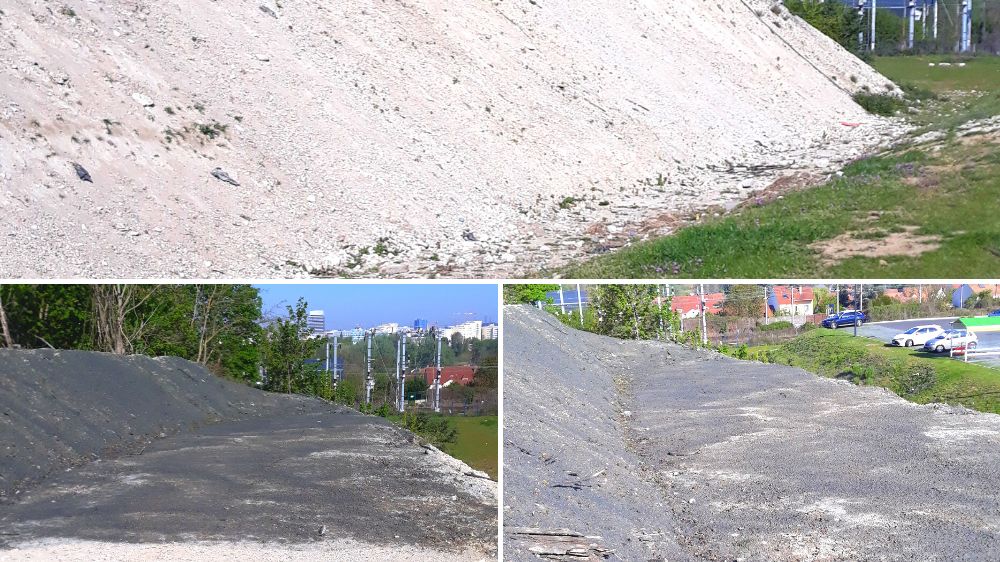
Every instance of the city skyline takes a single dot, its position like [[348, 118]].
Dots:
[[348, 305]]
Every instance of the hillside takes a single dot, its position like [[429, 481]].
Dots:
[[666, 452], [109, 457], [377, 137]]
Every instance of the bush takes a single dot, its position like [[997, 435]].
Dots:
[[879, 104], [439, 430], [773, 326]]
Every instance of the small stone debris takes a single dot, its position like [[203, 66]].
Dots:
[[221, 175], [268, 11], [143, 99], [468, 235], [322, 530], [82, 173]]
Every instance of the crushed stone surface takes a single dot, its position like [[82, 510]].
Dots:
[[391, 139], [270, 475], [711, 458]]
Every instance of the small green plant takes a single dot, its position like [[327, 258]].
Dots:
[[567, 202], [212, 130], [169, 110], [67, 11], [779, 325], [879, 104]]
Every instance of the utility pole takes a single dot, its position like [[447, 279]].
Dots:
[[437, 379], [369, 383], [911, 7], [579, 304], [766, 305], [399, 380], [871, 37], [562, 301], [861, 18], [659, 303], [704, 320], [402, 382], [328, 362], [837, 300], [935, 21], [336, 379]]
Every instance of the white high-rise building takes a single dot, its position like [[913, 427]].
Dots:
[[470, 329], [490, 332], [316, 322]]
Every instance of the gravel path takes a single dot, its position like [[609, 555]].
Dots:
[[749, 461]]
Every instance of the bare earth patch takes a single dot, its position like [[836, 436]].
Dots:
[[849, 245]]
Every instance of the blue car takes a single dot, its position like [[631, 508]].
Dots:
[[995, 313], [846, 318]]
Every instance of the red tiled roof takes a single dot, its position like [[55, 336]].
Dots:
[[684, 304], [785, 294], [461, 374]]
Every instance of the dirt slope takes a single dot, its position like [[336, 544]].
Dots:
[[749, 461], [160, 459], [378, 137]]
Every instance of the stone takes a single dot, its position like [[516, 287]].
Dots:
[[143, 99]]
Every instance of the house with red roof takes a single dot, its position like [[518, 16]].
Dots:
[[458, 374], [795, 300], [689, 306]]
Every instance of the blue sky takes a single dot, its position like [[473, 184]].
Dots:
[[347, 306]]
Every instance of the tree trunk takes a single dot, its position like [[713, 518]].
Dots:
[[8, 341]]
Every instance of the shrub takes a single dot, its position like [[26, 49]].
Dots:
[[879, 104], [773, 326]]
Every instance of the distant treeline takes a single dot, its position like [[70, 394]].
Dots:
[[219, 326]]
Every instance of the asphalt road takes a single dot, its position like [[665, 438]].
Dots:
[[711, 458]]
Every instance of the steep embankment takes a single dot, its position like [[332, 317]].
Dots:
[[734, 459], [156, 458], [384, 137], [65, 408]]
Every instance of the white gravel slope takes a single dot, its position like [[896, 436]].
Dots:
[[378, 137]]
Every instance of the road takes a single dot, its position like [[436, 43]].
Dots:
[[709, 458]]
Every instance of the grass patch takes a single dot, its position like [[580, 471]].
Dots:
[[917, 376], [476, 442], [946, 190]]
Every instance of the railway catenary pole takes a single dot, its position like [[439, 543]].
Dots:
[[935, 20], [562, 301], [659, 302], [861, 17], [704, 320], [437, 378], [399, 351], [336, 379], [370, 335], [402, 380], [871, 36], [579, 304], [911, 8]]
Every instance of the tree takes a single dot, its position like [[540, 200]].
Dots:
[[4, 330], [744, 301], [120, 317], [457, 343], [530, 293], [487, 374], [285, 350], [630, 311]]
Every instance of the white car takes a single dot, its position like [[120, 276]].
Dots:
[[917, 335], [950, 339]]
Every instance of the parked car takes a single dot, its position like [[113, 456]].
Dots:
[[917, 335], [994, 313], [846, 318], [951, 339]]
